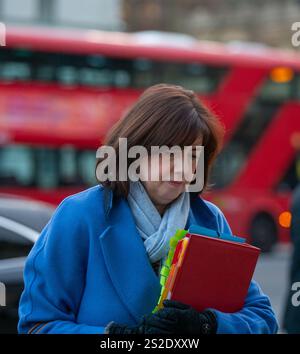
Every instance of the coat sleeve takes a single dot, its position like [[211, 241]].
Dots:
[[54, 276], [257, 315]]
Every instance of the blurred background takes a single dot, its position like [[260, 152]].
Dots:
[[70, 69]]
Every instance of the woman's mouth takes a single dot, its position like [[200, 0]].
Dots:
[[175, 183]]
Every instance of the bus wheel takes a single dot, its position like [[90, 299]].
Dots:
[[263, 232]]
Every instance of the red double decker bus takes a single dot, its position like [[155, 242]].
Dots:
[[62, 90]]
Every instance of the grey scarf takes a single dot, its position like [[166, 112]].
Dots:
[[155, 230]]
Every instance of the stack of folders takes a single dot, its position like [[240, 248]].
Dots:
[[206, 269]]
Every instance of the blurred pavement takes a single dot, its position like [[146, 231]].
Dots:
[[272, 275]]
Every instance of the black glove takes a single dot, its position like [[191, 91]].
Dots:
[[115, 328], [146, 326], [179, 318]]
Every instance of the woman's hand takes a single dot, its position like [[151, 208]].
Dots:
[[148, 325], [174, 318], [179, 318]]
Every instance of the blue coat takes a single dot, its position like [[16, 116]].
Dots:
[[89, 266]]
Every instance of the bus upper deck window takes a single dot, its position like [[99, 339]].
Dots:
[[279, 86], [14, 71], [67, 75]]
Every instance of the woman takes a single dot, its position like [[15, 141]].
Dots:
[[95, 267]]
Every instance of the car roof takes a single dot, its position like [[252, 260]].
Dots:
[[33, 214]]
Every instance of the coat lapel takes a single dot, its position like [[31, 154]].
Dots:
[[200, 213], [127, 262]]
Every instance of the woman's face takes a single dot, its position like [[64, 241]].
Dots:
[[164, 191]]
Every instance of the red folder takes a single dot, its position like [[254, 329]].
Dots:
[[214, 273]]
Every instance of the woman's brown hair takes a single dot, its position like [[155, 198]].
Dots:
[[168, 115]]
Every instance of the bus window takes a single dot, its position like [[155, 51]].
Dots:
[[86, 167], [16, 166], [67, 164], [203, 79], [66, 75], [227, 165], [45, 73], [15, 65], [96, 60], [280, 86], [122, 78], [274, 91], [14, 71], [145, 73], [46, 167], [258, 117], [76, 167], [277, 92], [94, 71]]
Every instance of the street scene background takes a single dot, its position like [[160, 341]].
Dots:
[[69, 71]]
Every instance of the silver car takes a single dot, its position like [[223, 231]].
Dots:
[[21, 221]]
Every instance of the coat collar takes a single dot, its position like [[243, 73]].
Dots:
[[125, 256]]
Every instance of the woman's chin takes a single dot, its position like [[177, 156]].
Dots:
[[171, 190]]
